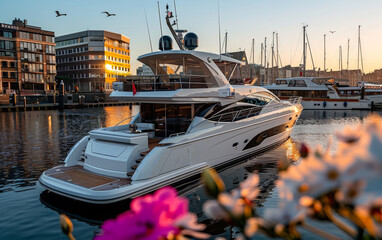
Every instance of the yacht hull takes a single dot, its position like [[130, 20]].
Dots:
[[335, 104], [168, 164]]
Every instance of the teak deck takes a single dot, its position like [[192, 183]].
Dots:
[[79, 176], [153, 142]]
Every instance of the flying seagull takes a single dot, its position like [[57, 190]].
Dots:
[[109, 14], [60, 14], [332, 31]]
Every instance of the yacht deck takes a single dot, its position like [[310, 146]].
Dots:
[[79, 176]]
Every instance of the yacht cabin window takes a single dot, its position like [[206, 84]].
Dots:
[[175, 69], [281, 82], [297, 83], [232, 71], [167, 118], [236, 112]]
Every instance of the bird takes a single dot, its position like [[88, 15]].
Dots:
[[60, 14], [109, 14], [332, 31]]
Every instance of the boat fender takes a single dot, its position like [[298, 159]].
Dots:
[[345, 104], [324, 104]]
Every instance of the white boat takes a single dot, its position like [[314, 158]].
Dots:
[[364, 90], [318, 93], [188, 121]]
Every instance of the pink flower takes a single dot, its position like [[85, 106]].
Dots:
[[150, 217]]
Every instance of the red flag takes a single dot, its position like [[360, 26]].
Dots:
[[134, 89]]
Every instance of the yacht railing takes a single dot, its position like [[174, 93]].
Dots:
[[124, 120], [295, 100], [250, 112], [164, 82], [176, 134], [275, 105], [236, 115]]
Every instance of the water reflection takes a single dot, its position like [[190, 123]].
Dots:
[[31, 142]]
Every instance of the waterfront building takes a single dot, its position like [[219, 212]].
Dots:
[[27, 56], [92, 60]]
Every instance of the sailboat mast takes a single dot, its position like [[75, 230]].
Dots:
[[347, 57], [265, 60], [273, 55], [225, 42], [360, 49], [324, 52], [277, 55], [277, 50], [253, 58], [304, 50], [340, 60], [359, 43], [261, 57]]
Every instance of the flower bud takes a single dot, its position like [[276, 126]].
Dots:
[[66, 224], [304, 150], [212, 182]]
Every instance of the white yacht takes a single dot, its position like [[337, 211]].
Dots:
[[188, 121], [318, 93]]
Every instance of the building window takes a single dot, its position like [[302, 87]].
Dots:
[[4, 64], [37, 37], [8, 34], [49, 39], [24, 35]]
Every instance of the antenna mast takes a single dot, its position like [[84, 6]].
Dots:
[[168, 16], [220, 47], [160, 24], [148, 30], [176, 16]]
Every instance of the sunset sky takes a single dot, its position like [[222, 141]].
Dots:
[[242, 19]]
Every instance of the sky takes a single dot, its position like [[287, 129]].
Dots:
[[243, 20]]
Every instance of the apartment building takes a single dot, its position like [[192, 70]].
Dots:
[[27, 56], [92, 60]]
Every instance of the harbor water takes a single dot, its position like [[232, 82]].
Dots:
[[31, 142]]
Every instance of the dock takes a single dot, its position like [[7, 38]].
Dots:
[[54, 106]]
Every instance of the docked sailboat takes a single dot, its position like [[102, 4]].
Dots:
[[188, 121]]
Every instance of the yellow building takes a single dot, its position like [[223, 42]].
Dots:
[[92, 60]]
